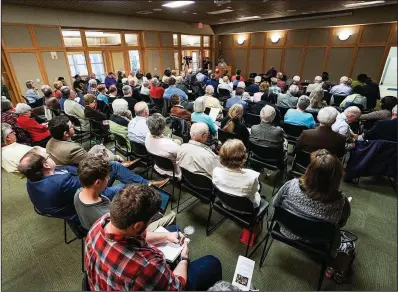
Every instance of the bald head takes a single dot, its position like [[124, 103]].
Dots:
[[141, 109], [199, 132]]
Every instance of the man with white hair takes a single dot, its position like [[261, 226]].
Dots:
[[323, 137], [31, 94], [132, 77], [11, 151], [75, 109], [200, 76], [245, 95], [298, 116], [137, 128], [288, 100], [317, 83], [341, 89], [383, 130], [350, 115], [253, 88], [265, 133], [180, 84], [128, 96], [145, 87], [236, 99], [274, 88], [225, 84], [210, 100], [195, 156]]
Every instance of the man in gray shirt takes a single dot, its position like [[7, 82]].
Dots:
[[288, 100], [90, 204]]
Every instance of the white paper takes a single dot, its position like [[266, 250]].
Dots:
[[243, 273], [170, 250], [214, 113]]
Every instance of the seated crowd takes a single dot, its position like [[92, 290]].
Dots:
[[66, 181]]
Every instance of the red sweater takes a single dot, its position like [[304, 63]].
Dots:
[[156, 92], [37, 132]]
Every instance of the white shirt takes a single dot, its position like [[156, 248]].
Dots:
[[144, 90], [164, 147], [197, 158], [12, 154], [120, 104], [341, 125], [227, 86], [241, 183], [138, 130]]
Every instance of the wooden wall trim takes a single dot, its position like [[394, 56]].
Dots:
[[32, 32], [355, 54], [385, 54], [283, 52]]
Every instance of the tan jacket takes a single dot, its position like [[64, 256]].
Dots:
[[65, 152]]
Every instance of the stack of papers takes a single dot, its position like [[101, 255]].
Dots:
[[243, 273]]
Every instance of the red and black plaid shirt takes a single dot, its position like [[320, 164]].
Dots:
[[115, 263]]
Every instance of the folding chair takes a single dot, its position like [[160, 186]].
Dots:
[[167, 165], [310, 230], [240, 210], [251, 119], [224, 136], [293, 132], [300, 162]]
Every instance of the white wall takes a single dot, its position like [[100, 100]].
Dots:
[[38, 15], [389, 77]]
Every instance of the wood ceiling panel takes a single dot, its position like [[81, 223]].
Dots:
[[196, 12]]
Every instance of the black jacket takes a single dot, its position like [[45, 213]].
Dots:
[[383, 130]]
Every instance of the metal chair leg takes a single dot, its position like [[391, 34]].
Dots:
[[265, 250], [82, 254], [276, 179], [248, 244], [65, 235], [320, 281]]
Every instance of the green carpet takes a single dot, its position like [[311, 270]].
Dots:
[[35, 257]]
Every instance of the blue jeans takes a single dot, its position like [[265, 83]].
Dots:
[[204, 272], [125, 176]]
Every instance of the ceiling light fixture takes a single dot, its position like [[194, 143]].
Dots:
[[275, 38], [176, 4], [344, 35], [248, 17], [241, 39], [220, 11], [363, 3]]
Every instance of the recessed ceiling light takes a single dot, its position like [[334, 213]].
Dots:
[[363, 3], [157, 9], [291, 10], [194, 13], [248, 17], [229, 7], [176, 4], [220, 11]]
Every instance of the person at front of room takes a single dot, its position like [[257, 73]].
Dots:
[[91, 203], [78, 85], [110, 80], [120, 237]]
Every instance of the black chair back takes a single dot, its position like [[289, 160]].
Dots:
[[207, 111], [237, 204], [300, 162], [272, 98], [198, 185], [224, 93], [307, 228], [75, 121], [163, 162], [157, 102], [251, 119], [327, 96], [224, 136], [105, 108], [145, 98], [283, 111], [338, 99], [139, 150], [272, 157], [293, 130], [225, 111], [122, 145]]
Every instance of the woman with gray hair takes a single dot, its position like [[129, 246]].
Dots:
[[156, 90], [266, 134], [121, 115], [199, 116], [180, 84], [298, 116], [92, 87], [316, 100], [288, 100], [317, 83], [158, 144], [211, 101], [145, 87]]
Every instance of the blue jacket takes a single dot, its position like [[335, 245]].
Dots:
[[53, 195], [372, 158], [174, 90]]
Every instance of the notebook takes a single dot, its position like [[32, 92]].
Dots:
[[214, 113], [170, 250], [243, 273]]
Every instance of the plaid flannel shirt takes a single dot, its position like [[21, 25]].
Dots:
[[115, 263]]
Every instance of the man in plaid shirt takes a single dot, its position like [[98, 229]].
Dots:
[[120, 255]]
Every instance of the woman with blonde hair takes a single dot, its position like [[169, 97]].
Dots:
[[316, 101], [233, 123], [232, 178]]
